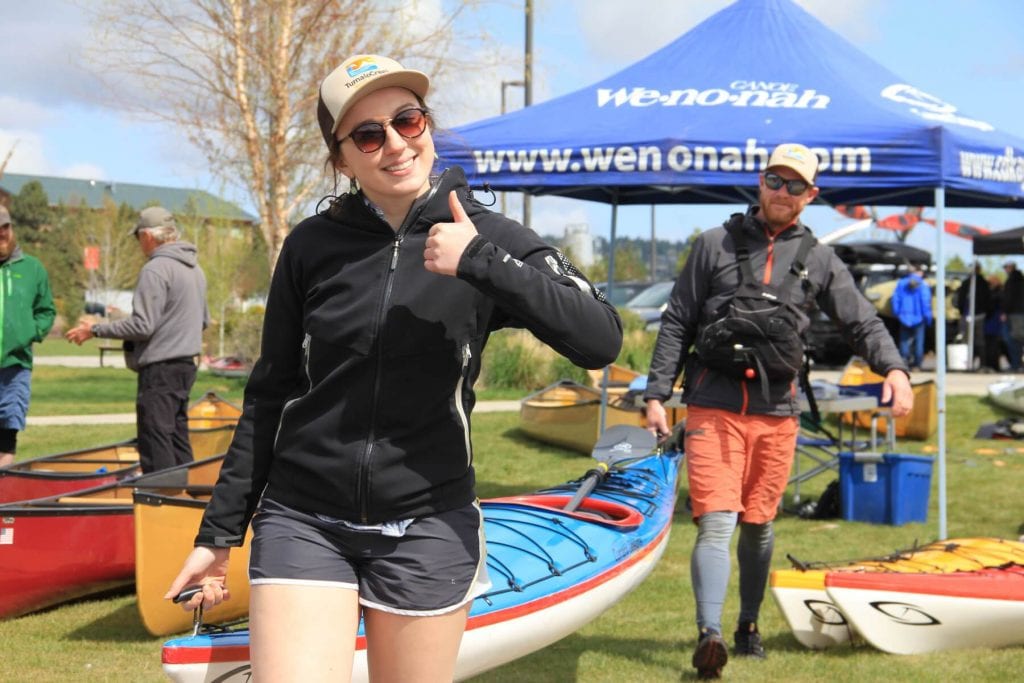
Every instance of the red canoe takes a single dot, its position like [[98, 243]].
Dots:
[[211, 425], [66, 547]]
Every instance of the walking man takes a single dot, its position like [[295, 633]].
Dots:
[[26, 316], [739, 386], [912, 305], [164, 335], [1013, 310]]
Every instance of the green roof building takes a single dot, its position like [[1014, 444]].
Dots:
[[93, 193]]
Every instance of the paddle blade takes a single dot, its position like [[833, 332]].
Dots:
[[623, 441]]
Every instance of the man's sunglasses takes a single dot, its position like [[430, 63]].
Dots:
[[794, 187], [370, 136]]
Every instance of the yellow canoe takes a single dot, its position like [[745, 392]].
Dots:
[[211, 425], [568, 414], [165, 528], [922, 421], [618, 376], [817, 623]]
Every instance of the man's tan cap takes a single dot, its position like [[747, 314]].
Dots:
[[357, 77], [5, 215], [797, 157]]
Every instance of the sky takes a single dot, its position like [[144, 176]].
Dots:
[[967, 52]]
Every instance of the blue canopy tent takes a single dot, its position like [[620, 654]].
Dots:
[[695, 122]]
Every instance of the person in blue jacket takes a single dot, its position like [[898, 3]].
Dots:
[[912, 305]]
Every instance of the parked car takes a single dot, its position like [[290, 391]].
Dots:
[[650, 303], [622, 292], [876, 268]]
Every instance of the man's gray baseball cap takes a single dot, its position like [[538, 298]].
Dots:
[[154, 217]]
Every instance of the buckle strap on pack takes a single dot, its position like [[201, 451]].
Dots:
[[797, 272], [797, 269]]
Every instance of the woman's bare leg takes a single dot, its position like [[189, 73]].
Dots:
[[403, 649], [302, 633]]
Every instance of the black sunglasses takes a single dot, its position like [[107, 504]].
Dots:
[[370, 136], [794, 187]]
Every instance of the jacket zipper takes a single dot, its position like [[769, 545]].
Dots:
[[307, 341], [363, 471], [5, 277], [467, 353]]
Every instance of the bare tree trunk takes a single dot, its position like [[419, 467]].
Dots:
[[7, 158], [241, 78]]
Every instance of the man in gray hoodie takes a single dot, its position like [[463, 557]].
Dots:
[[164, 334]]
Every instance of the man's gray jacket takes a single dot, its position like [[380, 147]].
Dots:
[[169, 309], [711, 277]]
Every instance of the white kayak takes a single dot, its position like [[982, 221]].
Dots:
[[818, 623], [1008, 394], [909, 614]]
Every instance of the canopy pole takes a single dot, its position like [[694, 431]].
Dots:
[[654, 248], [971, 312], [940, 351], [611, 287]]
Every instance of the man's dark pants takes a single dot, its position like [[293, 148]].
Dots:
[[161, 410]]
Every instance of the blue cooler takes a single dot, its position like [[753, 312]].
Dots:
[[884, 488]]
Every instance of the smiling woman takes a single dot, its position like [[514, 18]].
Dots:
[[381, 305]]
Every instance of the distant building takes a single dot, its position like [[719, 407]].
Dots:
[[579, 241], [93, 193]]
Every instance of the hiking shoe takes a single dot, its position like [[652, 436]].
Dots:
[[748, 641], [711, 655]]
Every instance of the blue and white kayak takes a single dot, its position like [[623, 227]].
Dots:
[[553, 572]]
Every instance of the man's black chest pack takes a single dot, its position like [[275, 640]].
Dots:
[[757, 334]]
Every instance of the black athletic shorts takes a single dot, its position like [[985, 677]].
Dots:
[[437, 566]]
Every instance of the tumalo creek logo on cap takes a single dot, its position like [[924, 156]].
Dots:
[[795, 153], [362, 68]]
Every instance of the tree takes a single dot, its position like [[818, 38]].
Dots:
[[77, 227], [684, 253], [7, 158], [956, 264], [629, 265], [233, 259], [240, 78], [31, 213]]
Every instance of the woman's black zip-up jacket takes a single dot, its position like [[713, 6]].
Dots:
[[358, 407]]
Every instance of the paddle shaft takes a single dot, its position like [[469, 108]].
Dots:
[[590, 480]]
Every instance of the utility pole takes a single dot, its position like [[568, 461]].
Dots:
[[504, 86], [528, 88]]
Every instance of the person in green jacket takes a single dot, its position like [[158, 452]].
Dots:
[[27, 312]]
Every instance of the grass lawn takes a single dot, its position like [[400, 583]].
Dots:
[[58, 390], [58, 346], [649, 636]]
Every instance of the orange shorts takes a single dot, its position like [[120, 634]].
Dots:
[[738, 463]]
